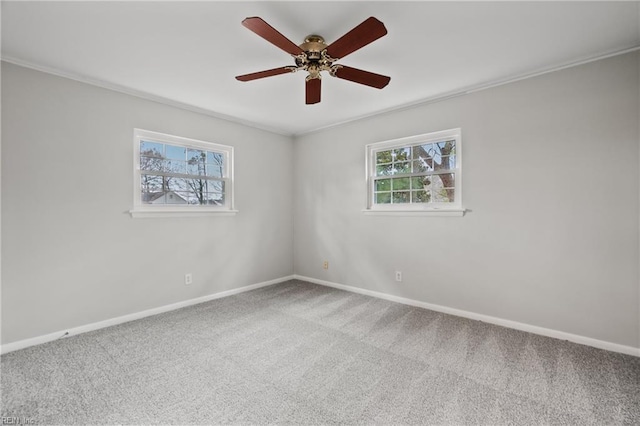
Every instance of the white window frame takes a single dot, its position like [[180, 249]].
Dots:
[[141, 210], [415, 209]]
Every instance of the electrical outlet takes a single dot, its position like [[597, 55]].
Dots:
[[398, 276], [188, 279], [325, 264]]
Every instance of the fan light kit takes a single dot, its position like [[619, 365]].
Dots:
[[315, 56]]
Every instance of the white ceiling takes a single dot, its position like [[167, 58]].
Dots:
[[189, 52]]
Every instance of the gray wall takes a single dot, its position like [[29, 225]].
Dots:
[[551, 182], [550, 177], [72, 255]]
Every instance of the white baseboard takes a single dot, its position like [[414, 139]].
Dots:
[[600, 344], [21, 344]]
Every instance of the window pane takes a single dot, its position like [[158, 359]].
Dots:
[[177, 197], [172, 197], [176, 166], [420, 196], [215, 158], [197, 186], [152, 189], [446, 147], [383, 157], [383, 198], [419, 182], [400, 183], [437, 159], [423, 165], [214, 199], [443, 149], [196, 160], [385, 170], [151, 149], [401, 154], [449, 162], [152, 197], [195, 168], [444, 195], [151, 183], [176, 184], [175, 152], [445, 180], [152, 163], [423, 151], [383, 185], [215, 186], [401, 197], [214, 170], [192, 198], [196, 155], [403, 167], [204, 198]]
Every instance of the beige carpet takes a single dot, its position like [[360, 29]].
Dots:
[[299, 353]]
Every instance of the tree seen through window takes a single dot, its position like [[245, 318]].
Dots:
[[420, 173], [172, 174]]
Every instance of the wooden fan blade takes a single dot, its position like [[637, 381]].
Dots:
[[368, 31], [267, 32], [313, 91], [363, 77], [266, 73]]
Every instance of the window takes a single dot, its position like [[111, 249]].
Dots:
[[181, 176], [416, 174]]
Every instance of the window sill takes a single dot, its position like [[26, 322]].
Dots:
[[161, 212], [414, 212]]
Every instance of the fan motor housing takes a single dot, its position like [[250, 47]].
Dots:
[[313, 46]]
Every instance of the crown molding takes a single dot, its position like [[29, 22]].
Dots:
[[430, 100], [139, 94], [475, 88]]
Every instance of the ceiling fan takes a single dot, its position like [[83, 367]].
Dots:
[[314, 55]]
